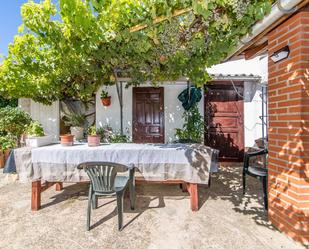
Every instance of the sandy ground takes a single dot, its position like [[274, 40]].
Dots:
[[162, 218]]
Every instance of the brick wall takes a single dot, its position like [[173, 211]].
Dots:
[[289, 128]]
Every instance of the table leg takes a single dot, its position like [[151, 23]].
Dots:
[[36, 195], [132, 189], [59, 186], [192, 189]]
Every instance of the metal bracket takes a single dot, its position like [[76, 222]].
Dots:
[[283, 10]]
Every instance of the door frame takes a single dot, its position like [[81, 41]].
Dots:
[[217, 84], [147, 90]]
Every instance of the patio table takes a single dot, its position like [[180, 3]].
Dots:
[[169, 163]]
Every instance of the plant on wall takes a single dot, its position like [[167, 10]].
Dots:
[[193, 128], [70, 50]]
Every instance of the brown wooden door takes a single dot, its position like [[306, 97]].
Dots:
[[224, 121], [148, 115]]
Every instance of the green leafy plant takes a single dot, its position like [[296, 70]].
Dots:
[[105, 132], [8, 102], [13, 121], [118, 138], [104, 94], [92, 131], [193, 128], [35, 129], [72, 48], [76, 120], [107, 135], [7, 142]]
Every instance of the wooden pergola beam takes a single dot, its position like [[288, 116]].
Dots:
[[160, 19], [257, 50]]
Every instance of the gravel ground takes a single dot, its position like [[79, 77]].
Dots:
[[162, 218]]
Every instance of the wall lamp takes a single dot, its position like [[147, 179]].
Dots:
[[281, 54]]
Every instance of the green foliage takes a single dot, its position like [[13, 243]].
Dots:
[[35, 129], [75, 120], [118, 138], [7, 142], [71, 50], [107, 135], [104, 94], [92, 130], [13, 121], [7, 102], [193, 128]]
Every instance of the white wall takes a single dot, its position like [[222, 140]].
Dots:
[[48, 116], [172, 109], [253, 109]]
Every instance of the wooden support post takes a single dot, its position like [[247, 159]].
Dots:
[[192, 189], [59, 186], [36, 195]]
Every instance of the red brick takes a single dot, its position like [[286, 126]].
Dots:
[[288, 162]]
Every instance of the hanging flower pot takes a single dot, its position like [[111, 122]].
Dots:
[[105, 98], [106, 101], [67, 140]]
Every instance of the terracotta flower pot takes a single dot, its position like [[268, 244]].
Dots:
[[93, 140], [1, 160], [3, 157], [67, 140], [106, 101]]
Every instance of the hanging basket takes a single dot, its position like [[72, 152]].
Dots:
[[106, 101]]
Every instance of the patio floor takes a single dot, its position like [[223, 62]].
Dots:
[[162, 218]]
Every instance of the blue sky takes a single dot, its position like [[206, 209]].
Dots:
[[10, 19]]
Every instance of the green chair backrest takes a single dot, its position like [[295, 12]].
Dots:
[[102, 175]]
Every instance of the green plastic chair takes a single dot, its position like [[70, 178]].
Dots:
[[104, 181]]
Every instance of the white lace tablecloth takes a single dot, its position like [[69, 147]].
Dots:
[[190, 163]]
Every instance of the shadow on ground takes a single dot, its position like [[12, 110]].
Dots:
[[226, 185]]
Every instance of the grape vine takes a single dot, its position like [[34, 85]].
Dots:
[[68, 48]]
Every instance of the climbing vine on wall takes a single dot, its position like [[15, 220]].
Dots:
[[68, 48]]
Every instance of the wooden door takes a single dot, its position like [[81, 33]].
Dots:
[[148, 115], [224, 120]]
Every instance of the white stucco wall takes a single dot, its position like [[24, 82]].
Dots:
[[49, 115], [253, 109], [172, 109]]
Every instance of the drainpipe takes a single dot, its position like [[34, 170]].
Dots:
[[279, 9]]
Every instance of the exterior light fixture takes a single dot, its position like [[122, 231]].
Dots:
[[281, 54]]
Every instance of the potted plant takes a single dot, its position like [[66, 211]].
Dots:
[[35, 136], [14, 122], [77, 123], [6, 144], [105, 98], [193, 128], [67, 140], [105, 132], [93, 137]]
